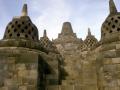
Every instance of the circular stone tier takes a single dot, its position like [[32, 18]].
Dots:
[[21, 28]]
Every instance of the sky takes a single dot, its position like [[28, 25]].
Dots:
[[50, 15]]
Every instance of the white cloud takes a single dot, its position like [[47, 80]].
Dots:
[[89, 14], [51, 16]]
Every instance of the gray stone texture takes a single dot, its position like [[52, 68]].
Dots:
[[66, 63]]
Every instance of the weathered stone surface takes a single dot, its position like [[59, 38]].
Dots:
[[66, 63]]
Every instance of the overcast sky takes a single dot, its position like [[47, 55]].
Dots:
[[50, 15]]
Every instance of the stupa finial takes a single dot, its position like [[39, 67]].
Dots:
[[45, 33], [24, 10], [89, 32], [112, 7]]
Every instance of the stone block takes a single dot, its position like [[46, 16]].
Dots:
[[107, 61], [117, 46], [4, 88], [116, 60], [78, 87], [10, 82], [111, 88], [117, 53], [33, 74], [108, 47], [53, 81], [14, 87], [23, 73], [118, 67], [22, 88], [118, 81], [90, 87], [53, 87], [28, 57], [110, 54], [20, 66], [67, 87], [31, 87]]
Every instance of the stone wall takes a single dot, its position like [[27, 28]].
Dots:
[[109, 69], [18, 69]]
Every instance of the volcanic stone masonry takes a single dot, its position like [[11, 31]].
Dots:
[[65, 63]]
